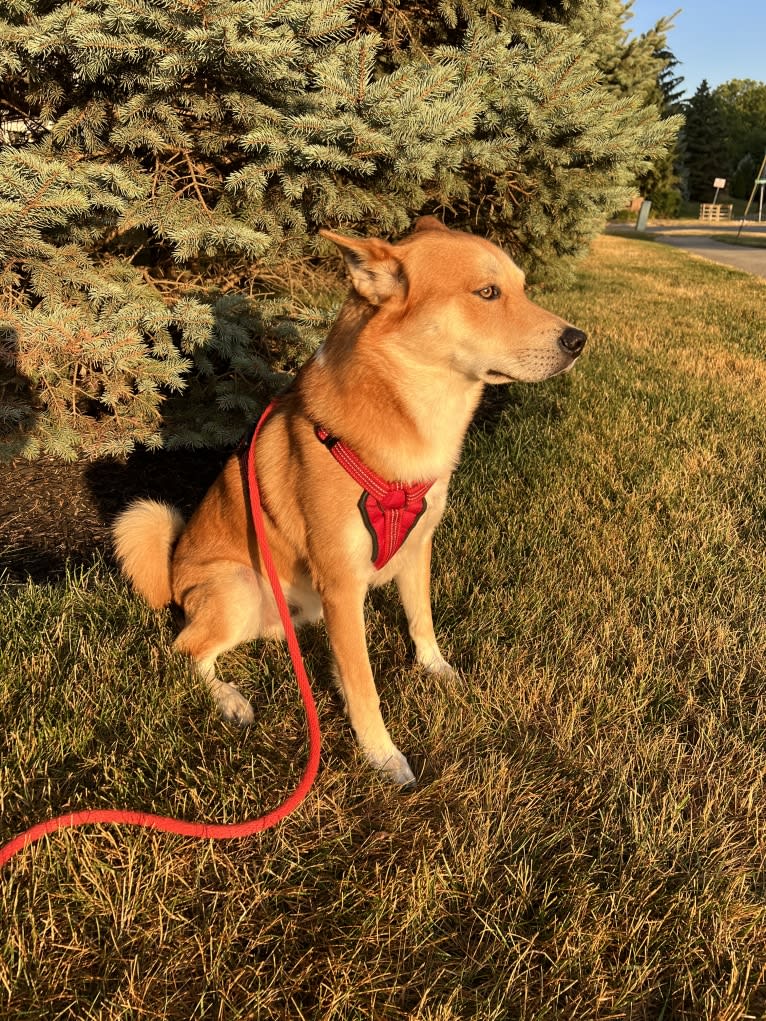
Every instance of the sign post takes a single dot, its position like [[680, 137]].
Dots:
[[720, 182], [760, 179], [643, 215]]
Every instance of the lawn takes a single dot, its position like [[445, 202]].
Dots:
[[588, 840], [744, 240]]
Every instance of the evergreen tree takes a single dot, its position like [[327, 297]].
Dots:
[[573, 140], [662, 182], [171, 165], [630, 64], [582, 145], [642, 66], [705, 145]]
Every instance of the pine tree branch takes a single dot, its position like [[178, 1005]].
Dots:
[[34, 202], [184, 156]]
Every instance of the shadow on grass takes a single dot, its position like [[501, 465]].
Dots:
[[56, 515], [532, 400]]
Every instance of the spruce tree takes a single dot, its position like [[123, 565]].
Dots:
[[662, 181], [559, 146], [641, 65], [167, 168], [705, 145]]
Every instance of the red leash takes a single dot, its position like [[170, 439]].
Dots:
[[203, 831]]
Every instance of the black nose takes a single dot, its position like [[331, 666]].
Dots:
[[572, 340]]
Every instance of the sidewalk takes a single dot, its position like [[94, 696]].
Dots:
[[751, 260], [699, 239]]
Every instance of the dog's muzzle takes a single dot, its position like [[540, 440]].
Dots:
[[572, 341]]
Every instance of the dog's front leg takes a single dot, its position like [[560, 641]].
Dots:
[[344, 615], [414, 584]]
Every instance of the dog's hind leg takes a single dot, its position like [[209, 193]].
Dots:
[[222, 609], [414, 583]]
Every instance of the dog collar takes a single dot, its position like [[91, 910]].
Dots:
[[390, 510]]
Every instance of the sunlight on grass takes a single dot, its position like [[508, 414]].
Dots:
[[588, 839]]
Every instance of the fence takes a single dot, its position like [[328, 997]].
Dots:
[[712, 212]]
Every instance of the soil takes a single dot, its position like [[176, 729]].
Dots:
[[53, 512]]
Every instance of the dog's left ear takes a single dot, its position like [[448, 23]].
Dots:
[[375, 271]]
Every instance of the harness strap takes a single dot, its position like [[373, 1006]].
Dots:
[[390, 510]]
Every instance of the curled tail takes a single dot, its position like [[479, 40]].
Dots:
[[144, 536]]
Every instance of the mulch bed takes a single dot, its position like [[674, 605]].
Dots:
[[53, 512]]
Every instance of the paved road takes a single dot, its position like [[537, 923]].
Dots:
[[699, 240], [751, 260]]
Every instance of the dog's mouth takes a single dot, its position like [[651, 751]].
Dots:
[[493, 376]]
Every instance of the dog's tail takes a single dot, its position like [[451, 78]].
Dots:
[[144, 536]]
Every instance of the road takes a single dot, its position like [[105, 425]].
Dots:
[[698, 239]]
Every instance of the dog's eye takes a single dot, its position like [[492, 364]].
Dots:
[[488, 293]]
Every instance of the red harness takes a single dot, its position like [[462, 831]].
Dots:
[[390, 510]]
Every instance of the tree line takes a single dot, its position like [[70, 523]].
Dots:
[[724, 136]]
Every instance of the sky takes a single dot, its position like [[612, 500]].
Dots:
[[714, 39]]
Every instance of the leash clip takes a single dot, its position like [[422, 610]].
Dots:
[[325, 438]]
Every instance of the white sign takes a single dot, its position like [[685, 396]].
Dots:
[[720, 182]]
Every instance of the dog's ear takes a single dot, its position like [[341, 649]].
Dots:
[[429, 223], [375, 271]]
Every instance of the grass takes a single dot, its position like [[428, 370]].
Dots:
[[589, 838], [744, 240]]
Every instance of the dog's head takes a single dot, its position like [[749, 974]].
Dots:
[[457, 300]]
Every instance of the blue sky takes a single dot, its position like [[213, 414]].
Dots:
[[714, 39]]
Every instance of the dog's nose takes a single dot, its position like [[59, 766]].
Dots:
[[572, 340]]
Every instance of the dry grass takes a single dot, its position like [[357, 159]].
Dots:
[[589, 837]]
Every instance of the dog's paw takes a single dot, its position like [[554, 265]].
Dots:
[[392, 764], [433, 662], [232, 705]]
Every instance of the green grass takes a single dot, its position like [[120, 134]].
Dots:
[[589, 837], [744, 240]]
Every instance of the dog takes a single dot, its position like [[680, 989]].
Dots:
[[428, 323]]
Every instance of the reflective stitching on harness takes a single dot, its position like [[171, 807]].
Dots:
[[390, 510]]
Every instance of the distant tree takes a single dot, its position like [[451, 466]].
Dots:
[[706, 148], [743, 105], [670, 84], [662, 181], [743, 176]]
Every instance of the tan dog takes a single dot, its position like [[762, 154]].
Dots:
[[429, 321]]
